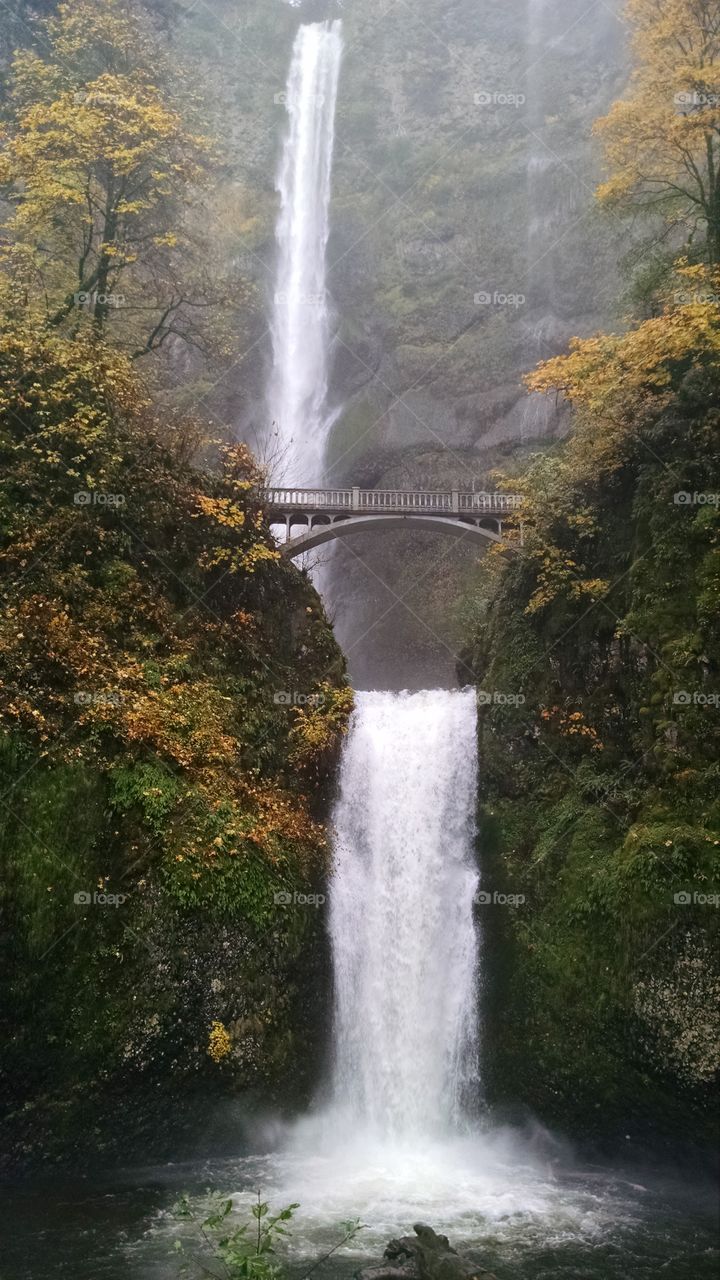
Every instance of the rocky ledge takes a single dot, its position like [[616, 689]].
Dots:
[[424, 1256]]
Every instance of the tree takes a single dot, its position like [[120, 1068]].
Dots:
[[662, 142], [103, 159], [143, 600]]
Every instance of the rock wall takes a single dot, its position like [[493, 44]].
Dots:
[[465, 246]]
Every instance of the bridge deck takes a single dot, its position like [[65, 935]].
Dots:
[[390, 502]]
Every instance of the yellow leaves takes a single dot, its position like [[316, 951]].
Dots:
[[662, 143], [237, 560], [223, 511], [94, 151], [318, 725], [166, 672], [233, 512], [572, 724], [189, 724], [558, 574], [219, 1043], [617, 383]]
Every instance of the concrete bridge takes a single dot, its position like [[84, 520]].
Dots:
[[315, 516]]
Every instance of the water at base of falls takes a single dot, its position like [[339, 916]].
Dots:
[[510, 1201], [392, 1145], [394, 1142]]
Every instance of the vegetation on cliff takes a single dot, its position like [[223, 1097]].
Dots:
[[171, 695], [662, 141], [597, 651]]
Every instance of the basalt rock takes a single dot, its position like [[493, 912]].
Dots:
[[424, 1256]]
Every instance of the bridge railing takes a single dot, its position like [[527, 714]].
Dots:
[[403, 500], [395, 500], [490, 501], [308, 497]]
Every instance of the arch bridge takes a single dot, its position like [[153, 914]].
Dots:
[[314, 516]]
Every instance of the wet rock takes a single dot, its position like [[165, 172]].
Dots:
[[424, 1256], [386, 1271]]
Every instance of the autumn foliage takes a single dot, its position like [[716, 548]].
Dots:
[[662, 141], [139, 600]]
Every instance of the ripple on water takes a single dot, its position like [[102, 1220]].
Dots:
[[521, 1215]]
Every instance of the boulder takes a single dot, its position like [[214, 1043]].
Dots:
[[424, 1256]]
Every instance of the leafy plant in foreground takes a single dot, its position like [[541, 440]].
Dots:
[[245, 1251]]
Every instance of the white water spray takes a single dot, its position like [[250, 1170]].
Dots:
[[301, 319], [401, 914], [392, 1145]]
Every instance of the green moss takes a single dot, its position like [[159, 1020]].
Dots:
[[599, 792]]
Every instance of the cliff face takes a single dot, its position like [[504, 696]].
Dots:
[[465, 243], [171, 704], [596, 651], [465, 246]]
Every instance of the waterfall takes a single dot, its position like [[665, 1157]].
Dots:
[[401, 913], [301, 333]]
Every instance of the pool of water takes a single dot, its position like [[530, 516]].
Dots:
[[523, 1213]]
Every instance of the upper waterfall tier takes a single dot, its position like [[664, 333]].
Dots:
[[301, 323]]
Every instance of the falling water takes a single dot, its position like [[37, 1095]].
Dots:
[[301, 333], [401, 913]]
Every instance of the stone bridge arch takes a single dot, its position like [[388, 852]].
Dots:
[[313, 517]]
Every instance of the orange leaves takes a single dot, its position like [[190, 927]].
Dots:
[[222, 510], [318, 725], [186, 723], [619, 384], [235, 517], [572, 724], [285, 815], [114, 651], [662, 143]]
